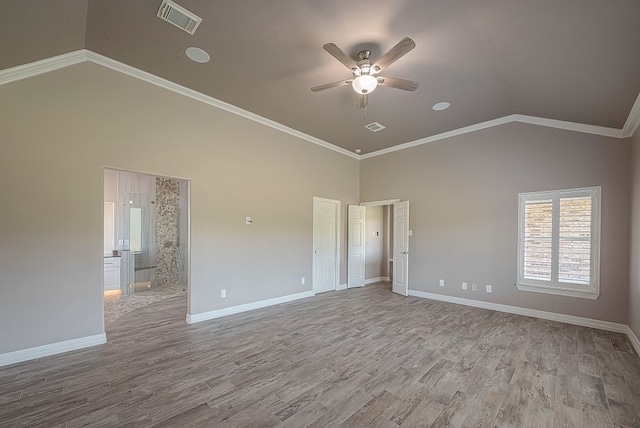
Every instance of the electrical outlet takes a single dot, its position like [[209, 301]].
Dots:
[[464, 286], [302, 280], [489, 288], [474, 287], [442, 283], [223, 293]]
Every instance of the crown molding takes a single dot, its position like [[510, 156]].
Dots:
[[569, 126], [631, 125], [198, 96], [83, 55], [442, 136], [43, 66], [540, 121]]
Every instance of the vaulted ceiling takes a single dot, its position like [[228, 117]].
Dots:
[[570, 60]]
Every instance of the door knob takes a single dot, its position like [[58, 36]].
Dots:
[[405, 252]]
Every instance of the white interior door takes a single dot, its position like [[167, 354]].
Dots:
[[355, 243], [401, 248], [325, 245]]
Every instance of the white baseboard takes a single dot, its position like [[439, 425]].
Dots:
[[377, 279], [552, 316], [51, 349], [341, 287], [204, 316], [634, 340]]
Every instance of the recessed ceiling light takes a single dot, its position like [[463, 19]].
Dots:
[[441, 106], [358, 151], [198, 55]]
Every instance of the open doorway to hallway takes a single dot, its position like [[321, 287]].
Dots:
[[146, 233], [378, 241], [378, 244]]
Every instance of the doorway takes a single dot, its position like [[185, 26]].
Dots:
[[146, 240], [383, 254]]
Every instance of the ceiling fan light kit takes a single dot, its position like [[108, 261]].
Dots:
[[365, 75], [364, 84]]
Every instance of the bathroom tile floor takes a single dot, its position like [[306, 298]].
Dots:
[[116, 306]]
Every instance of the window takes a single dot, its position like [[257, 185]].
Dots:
[[559, 242]]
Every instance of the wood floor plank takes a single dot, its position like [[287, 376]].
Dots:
[[358, 357]]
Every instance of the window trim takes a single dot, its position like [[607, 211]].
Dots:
[[591, 291]]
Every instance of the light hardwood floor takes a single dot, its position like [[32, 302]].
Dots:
[[363, 357]]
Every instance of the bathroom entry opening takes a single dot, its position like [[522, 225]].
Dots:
[[146, 237]]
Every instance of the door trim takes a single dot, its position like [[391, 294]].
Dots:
[[338, 207], [379, 203]]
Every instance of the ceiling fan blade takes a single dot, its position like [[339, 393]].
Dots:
[[403, 47], [394, 82], [331, 85], [362, 100], [339, 54]]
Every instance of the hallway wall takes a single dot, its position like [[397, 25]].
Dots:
[[374, 244]]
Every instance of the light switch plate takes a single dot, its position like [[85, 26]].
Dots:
[[489, 288], [442, 283], [464, 286], [223, 293]]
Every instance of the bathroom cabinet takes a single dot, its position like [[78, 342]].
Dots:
[[111, 273]]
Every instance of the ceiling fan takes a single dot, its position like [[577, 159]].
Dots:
[[366, 76]]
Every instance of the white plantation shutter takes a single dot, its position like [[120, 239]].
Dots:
[[558, 242], [574, 257], [537, 240]]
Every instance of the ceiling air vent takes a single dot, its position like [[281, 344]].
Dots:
[[179, 16], [375, 127]]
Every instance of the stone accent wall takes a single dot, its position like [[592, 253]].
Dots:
[[168, 259]]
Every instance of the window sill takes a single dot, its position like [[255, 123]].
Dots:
[[559, 291]]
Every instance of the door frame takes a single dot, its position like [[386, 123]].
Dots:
[[385, 202], [379, 203], [338, 207]]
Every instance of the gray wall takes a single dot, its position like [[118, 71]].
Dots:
[[464, 207], [634, 283], [111, 186], [373, 244], [60, 129]]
